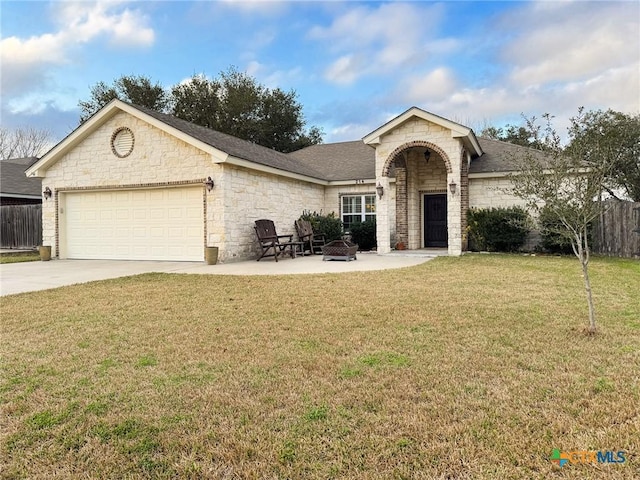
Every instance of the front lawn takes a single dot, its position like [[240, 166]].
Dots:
[[470, 367]]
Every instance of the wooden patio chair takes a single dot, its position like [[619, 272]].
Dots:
[[305, 233], [272, 244]]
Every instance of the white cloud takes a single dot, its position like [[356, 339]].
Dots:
[[376, 41], [345, 70], [432, 86], [256, 7], [566, 41], [558, 56], [349, 132], [25, 61], [254, 68], [272, 78]]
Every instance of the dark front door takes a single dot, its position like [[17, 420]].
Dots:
[[435, 221]]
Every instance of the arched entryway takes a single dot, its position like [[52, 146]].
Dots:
[[421, 170], [403, 170]]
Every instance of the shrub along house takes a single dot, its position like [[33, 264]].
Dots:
[[132, 183]]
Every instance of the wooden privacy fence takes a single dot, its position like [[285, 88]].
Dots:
[[617, 233], [21, 226]]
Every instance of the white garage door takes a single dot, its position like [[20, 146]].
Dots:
[[152, 224]]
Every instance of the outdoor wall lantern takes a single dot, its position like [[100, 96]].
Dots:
[[453, 187], [209, 184], [427, 155], [380, 190], [47, 193]]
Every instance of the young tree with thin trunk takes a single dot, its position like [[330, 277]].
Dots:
[[568, 182]]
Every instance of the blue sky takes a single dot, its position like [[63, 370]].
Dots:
[[354, 65]]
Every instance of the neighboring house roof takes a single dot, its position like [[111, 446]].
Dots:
[[340, 161], [14, 183], [457, 130], [500, 156]]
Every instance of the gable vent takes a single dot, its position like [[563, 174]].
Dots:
[[122, 142]]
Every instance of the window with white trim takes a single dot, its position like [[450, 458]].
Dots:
[[357, 208]]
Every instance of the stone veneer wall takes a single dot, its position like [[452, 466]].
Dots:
[[239, 197], [250, 195], [418, 130], [333, 193], [489, 192], [464, 199], [402, 207], [157, 159]]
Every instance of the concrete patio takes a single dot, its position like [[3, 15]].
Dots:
[[34, 276]]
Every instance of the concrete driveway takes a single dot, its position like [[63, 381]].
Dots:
[[33, 276]]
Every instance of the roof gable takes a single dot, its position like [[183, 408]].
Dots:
[[222, 147], [98, 119], [457, 130]]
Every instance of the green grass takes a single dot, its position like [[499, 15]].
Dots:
[[471, 367], [17, 257]]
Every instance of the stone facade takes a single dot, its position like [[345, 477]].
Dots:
[[334, 194], [245, 191], [157, 160], [406, 141], [491, 192], [249, 195]]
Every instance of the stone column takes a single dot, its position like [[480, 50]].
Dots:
[[464, 201], [454, 220], [383, 230], [402, 218]]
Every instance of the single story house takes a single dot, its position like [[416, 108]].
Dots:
[[15, 187], [132, 183]]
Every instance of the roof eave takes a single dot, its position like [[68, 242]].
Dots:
[[19, 195], [470, 142], [39, 168], [457, 130], [241, 162]]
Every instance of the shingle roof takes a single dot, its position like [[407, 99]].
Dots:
[[499, 156], [237, 147], [352, 160], [340, 161], [356, 160], [13, 180]]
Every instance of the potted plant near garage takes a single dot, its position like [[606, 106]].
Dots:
[[211, 255], [45, 252]]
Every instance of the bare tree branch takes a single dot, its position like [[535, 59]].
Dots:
[[23, 142]]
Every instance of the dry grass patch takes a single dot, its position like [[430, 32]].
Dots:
[[472, 367], [18, 257]]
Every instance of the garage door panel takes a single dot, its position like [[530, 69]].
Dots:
[[193, 212], [140, 214], [153, 224]]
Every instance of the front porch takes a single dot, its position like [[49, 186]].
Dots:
[[429, 157], [418, 253]]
